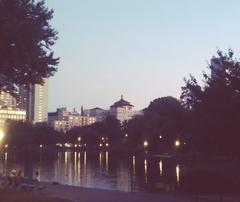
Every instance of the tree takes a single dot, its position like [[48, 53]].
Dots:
[[28, 135], [163, 121], [26, 38], [215, 105]]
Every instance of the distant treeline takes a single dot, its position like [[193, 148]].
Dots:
[[205, 120]]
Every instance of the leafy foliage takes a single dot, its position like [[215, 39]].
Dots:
[[215, 106], [162, 123], [24, 134], [110, 129], [26, 38]]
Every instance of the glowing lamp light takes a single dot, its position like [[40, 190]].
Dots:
[[67, 145], [79, 139], [100, 145], [1, 135], [59, 144], [107, 144], [145, 143], [6, 146], [126, 135], [160, 137], [177, 143], [40, 145]]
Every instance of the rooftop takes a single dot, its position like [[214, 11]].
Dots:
[[122, 103]]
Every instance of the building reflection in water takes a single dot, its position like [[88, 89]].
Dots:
[[94, 169], [123, 178], [145, 171]]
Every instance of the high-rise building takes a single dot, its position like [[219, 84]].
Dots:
[[34, 99], [7, 100]]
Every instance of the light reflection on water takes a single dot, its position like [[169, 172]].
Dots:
[[178, 173], [160, 168], [145, 172], [94, 170]]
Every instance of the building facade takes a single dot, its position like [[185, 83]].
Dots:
[[11, 114], [122, 110], [99, 113], [34, 100], [7, 100], [64, 120]]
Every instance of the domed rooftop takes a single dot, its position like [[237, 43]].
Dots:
[[122, 103]]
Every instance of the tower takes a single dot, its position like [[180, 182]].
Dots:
[[34, 99]]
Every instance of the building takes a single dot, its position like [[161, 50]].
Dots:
[[64, 120], [99, 113], [7, 100], [11, 114], [34, 100], [122, 110]]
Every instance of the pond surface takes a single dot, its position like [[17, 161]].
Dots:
[[101, 169]]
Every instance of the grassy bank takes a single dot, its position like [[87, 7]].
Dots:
[[22, 196]]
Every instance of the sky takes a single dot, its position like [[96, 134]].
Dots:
[[139, 48]]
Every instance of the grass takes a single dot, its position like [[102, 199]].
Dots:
[[22, 196]]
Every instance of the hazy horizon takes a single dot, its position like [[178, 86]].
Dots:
[[141, 49]]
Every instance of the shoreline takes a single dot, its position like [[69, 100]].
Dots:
[[82, 194]]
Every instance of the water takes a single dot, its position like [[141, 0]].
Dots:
[[103, 169], [130, 173]]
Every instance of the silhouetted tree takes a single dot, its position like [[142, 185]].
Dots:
[[110, 129], [113, 129], [164, 121], [215, 106], [26, 39], [27, 135]]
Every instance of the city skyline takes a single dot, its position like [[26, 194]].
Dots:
[[140, 49]]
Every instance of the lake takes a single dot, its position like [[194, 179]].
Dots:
[[104, 170]]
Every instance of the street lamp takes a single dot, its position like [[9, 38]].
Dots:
[[79, 139]]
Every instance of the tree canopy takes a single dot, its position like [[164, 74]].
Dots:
[[26, 38], [162, 123], [215, 105]]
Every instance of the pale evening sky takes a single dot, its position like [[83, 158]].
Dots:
[[139, 48]]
